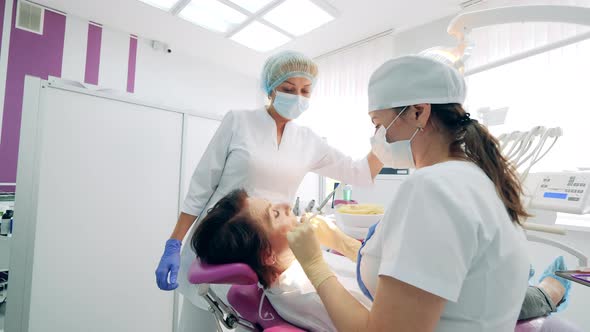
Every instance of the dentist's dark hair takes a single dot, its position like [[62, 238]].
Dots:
[[229, 234], [472, 141]]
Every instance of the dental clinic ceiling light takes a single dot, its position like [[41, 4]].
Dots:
[[288, 16], [212, 15], [162, 4], [250, 37], [252, 5], [261, 25]]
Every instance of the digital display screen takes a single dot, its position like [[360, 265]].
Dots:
[[555, 195]]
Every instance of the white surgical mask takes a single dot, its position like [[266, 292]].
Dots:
[[290, 106], [397, 154]]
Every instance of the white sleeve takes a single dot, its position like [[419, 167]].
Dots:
[[428, 241], [208, 172], [335, 164]]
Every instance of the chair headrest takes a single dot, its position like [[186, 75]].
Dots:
[[234, 274]]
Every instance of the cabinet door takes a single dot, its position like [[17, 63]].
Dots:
[[198, 132], [108, 193]]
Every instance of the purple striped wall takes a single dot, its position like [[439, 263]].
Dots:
[[41, 56], [2, 5], [93, 54], [29, 54], [132, 64]]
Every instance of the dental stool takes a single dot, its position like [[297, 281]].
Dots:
[[244, 296]]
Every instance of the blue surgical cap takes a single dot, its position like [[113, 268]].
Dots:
[[284, 65]]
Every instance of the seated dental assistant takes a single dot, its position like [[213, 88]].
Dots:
[[449, 254], [264, 152]]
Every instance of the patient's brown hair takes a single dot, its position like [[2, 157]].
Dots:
[[229, 234]]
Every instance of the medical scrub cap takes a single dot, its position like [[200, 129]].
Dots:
[[284, 65], [415, 79]]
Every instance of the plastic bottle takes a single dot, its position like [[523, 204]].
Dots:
[[347, 193]]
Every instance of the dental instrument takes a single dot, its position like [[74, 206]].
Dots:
[[327, 199], [310, 206], [296, 210]]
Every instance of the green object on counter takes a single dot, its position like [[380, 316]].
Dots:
[[347, 193]]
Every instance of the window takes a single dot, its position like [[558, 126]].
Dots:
[[549, 89]]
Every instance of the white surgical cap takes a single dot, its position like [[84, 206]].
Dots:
[[284, 65], [415, 79]]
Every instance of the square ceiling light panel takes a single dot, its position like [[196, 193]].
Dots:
[[162, 4], [260, 37], [298, 16], [212, 15], [252, 5]]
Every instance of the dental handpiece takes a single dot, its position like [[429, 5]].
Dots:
[[310, 206]]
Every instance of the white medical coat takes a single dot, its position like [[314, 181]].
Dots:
[[448, 233], [244, 153]]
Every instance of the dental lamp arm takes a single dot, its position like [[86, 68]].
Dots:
[[582, 259], [464, 23]]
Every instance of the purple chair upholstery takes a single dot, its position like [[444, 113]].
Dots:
[[546, 324], [244, 295], [531, 325]]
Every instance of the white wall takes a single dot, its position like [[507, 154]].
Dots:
[[190, 83]]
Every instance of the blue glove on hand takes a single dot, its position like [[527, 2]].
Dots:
[[170, 263]]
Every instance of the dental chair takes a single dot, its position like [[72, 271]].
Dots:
[[244, 311]]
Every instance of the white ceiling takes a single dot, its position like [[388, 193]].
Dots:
[[358, 19]]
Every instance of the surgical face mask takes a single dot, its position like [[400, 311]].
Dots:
[[290, 106], [397, 154]]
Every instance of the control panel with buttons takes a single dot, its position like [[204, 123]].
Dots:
[[563, 192]]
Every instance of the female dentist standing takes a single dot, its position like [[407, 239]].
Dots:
[[261, 151], [449, 254]]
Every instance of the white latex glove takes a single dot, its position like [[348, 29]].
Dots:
[[306, 248]]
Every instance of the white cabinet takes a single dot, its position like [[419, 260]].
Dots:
[[98, 190], [4, 252]]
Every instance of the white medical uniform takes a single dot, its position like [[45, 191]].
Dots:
[[244, 153], [448, 233], [296, 300]]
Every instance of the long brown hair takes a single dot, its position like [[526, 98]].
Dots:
[[228, 234], [472, 141]]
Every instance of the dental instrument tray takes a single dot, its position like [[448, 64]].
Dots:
[[582, 278]]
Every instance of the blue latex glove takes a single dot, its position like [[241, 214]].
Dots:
[[558, 265], [170, 263]]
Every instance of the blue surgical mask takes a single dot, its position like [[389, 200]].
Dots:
[[290, 106]]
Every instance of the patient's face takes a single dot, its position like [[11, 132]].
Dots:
[[277, 220]]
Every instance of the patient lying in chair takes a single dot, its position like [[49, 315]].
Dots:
[[250, 230]]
